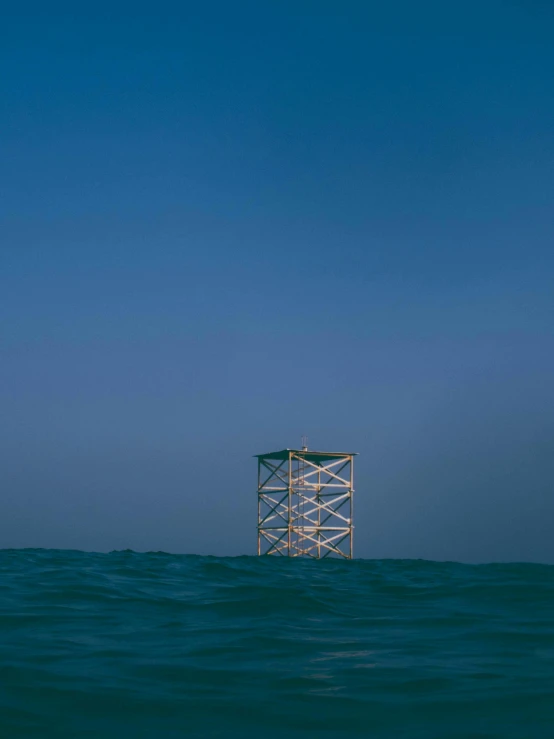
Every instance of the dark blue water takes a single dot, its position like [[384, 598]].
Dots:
[[158, 645]]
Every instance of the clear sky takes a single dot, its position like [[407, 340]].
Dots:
[[227, 224]]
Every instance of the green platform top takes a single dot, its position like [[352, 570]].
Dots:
[[308, 454]]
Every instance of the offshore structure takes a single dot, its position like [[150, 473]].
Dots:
[[305, 503]]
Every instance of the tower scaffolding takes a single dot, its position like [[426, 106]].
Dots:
[[305, 503]]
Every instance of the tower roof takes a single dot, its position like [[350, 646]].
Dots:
[[308, 454]]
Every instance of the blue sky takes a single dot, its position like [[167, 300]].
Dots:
[[226, 225]]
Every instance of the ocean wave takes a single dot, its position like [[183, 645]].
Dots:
[[157, 645]]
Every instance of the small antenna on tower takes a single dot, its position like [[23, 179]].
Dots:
[[304, 443]]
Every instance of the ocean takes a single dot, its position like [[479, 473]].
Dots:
[[160, 645]]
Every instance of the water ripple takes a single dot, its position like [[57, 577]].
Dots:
[[158, 645]]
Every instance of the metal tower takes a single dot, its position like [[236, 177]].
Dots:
[[305, 503]]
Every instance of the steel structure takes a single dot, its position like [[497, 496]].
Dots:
[[305, 503]]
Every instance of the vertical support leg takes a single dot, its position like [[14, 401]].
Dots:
[[290, 506], [351, 507], [259, 510], [318, 501]]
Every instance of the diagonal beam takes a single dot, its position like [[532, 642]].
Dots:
[[326, 469], [334, 512], [337, 549], [273, 509], [274, 541], [327, 507], [327, 543], [274, 473]]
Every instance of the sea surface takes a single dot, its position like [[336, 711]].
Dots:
[[159, 645]]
